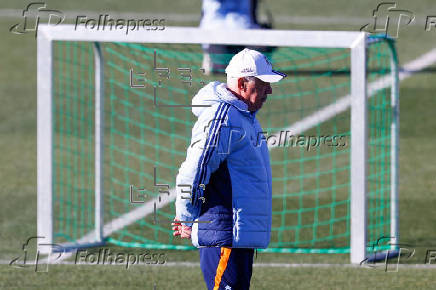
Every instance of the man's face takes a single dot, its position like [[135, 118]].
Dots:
[[255, 92]]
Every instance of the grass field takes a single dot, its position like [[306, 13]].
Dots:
[[417, 164], [102, 277]]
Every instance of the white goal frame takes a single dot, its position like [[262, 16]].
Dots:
[[360, 91]]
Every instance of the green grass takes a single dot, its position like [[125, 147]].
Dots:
[[341, 8], [18, 160], [145, 277]]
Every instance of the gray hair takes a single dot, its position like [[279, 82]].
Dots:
[[250, 78], [232, 80]]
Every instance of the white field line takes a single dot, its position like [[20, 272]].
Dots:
[[190, 17], [312, 120], [378, 266]]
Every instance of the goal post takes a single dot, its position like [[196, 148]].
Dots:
[[93, 126], [359, 139]]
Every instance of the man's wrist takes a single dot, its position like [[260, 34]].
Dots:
[[185, 221]]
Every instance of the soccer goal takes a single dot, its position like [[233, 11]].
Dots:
[[114, 122]]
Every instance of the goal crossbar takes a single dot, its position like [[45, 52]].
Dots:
[[192, 35]]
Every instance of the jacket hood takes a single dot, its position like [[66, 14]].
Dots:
[[215, 92]]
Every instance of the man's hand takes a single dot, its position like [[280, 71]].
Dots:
[[180, 230]]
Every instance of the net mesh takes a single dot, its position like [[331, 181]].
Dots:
[[148, 123]]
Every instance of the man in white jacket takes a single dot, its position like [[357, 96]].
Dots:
[[228, 211]]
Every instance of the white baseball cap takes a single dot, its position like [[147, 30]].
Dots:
[[249, 62]]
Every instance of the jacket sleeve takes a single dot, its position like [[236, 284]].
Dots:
[[208, 148]]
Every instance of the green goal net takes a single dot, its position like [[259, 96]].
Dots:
[[147, 128]]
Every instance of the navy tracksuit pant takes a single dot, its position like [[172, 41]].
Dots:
[[226, 268]]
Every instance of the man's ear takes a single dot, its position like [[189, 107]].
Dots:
[[241, 84]]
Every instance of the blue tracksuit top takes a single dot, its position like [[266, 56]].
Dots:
[[226, 177]]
